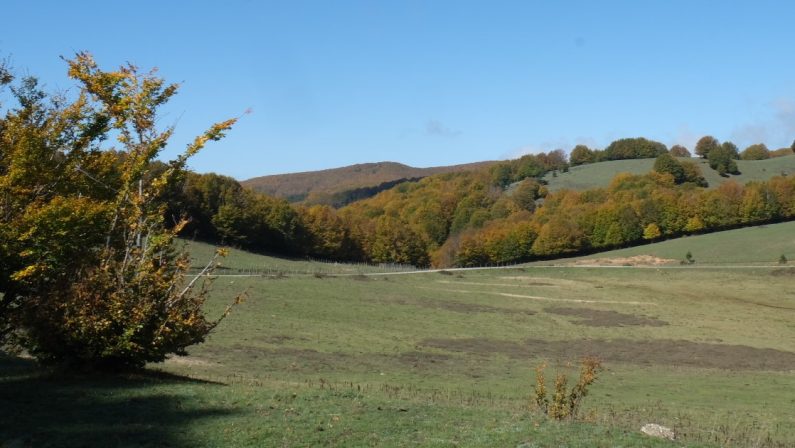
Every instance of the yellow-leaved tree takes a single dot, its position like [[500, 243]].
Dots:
[[89, 272]]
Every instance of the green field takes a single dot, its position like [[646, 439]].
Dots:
[[751, 245], [448, 358], [600, 174]]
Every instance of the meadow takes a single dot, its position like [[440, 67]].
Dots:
[[338, 355], [596, 175]]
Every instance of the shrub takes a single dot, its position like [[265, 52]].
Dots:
[[565, 403]]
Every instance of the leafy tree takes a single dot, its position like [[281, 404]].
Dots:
[[90, 274], [705, 145], [693, 173], [529, 166], [679, 151], [634, 148], [651, 232], [581, 155], [755, 152], [666, 164], [501, 174], [526, 193], [721, 159]]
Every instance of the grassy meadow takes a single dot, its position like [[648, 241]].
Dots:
[[600, 174], [448, 358]]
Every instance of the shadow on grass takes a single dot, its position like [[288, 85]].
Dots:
[[145, 409]]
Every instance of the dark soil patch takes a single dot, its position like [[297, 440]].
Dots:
[[277, 339], [309, 360], [463, 307], [653, 352], [422, 360], [600, 318]]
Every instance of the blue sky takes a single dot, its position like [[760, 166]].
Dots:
[[426, 83]]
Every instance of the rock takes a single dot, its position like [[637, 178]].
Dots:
[[655, 430]]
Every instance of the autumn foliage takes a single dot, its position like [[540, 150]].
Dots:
[[89, 274]]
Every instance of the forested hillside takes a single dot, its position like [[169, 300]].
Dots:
[[341, 186], [502, 213]]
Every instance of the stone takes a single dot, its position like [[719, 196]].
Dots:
[[655, 430]]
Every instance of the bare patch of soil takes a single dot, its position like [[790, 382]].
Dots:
[[526, 281], [650, 352], [309, 360], [190, 361], [277, 339], [637, 260], [462, 307], [599, 318], [422, 360]]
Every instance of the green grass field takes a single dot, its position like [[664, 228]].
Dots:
[[600, 174], [751, 245], [447, 359]]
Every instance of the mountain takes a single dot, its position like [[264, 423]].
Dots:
[[339, 186]]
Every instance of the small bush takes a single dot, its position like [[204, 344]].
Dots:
[[565, 403], [689, 258]]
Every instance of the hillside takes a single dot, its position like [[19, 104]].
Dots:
[[750, 245], [297, 187], [600, 174]]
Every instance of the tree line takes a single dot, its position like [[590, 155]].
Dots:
[[496, 215]]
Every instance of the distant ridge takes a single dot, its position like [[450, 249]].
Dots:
[[333, 186]]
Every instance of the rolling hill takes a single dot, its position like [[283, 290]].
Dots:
[[359, 181], [600, 174]]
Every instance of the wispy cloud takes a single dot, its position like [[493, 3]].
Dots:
[[785, 114], [438, 129], [778, 128]]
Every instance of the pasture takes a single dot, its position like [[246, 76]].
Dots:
[[448, 359], [596, 175]]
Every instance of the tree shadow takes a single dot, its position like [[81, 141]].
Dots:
[[143, 409]]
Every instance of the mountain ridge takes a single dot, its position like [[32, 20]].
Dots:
[[315, 186]]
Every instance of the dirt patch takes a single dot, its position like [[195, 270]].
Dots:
[[190, 361], [422, 360], [637, 260], [461, 307], [277, 339], [652, 352], [599, 318], [308, 360]]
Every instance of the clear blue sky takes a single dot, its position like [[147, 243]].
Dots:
[[426, 83]]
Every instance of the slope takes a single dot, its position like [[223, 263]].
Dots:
[[297, 187], [600, 174]]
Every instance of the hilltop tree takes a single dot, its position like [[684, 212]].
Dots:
[[581, 155], [634, 148], [88, 270], [705, 145], [755, 152], [679, 151]]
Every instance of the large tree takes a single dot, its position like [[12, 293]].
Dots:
[[705, 145], [88, 269], [755, 152]]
